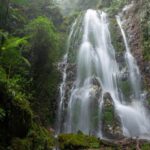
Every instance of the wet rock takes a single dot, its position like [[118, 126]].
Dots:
[[124, 74], [126, 143], [111, 124], [95, 89], [120, 58], [146, 68], [95, 92], [135, 23], [96, 82], [71, 72], [108, 101]]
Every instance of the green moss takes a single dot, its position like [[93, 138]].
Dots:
[[125, 87], [148, 101], [77, 141], [145, 146], [145, 26], [146, 52], [116, 6], [116, 37], [41, 135], [146, 42], [108, 115]]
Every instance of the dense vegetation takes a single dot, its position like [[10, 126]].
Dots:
[[30, 46], [32, 37]]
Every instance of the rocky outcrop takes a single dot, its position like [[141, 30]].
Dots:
[[111, 125], [71, 77], [134, 28]]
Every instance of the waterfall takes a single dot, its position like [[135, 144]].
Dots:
[[97, 74], [96, 62]]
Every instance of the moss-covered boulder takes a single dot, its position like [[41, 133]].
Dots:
[[116, 37], [77, 141], [111, 125]]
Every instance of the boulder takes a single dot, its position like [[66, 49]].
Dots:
[[111, 125]]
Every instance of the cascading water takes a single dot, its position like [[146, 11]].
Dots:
[[97, 74], [135, 120], [96, 62], [62, 88]]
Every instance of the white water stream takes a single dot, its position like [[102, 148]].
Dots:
[[132, 65]]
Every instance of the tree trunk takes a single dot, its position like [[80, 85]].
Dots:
[[4, 7]]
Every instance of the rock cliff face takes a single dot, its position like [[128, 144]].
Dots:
[[137, 29], [136, 16], [133, 29]]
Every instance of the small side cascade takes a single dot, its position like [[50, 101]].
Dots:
[[134, 73], [62, 88]]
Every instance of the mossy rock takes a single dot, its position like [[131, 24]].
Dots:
[[116, 37], [110, 121], [108, 110], [77, 141], [115, 6], [41, 137], [126, 89], [108, 115]]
